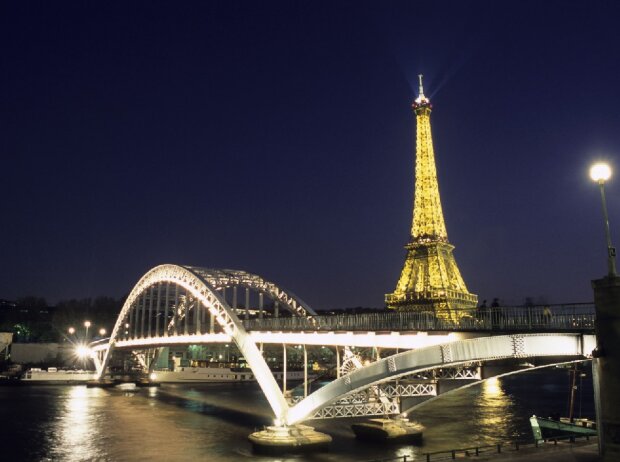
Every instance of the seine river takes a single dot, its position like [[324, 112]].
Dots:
[[211, 422]]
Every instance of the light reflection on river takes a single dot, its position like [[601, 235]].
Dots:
[[211, 422]]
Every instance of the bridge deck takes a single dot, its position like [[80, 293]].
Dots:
[[556, 318]]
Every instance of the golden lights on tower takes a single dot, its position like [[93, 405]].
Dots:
[[430, 279]]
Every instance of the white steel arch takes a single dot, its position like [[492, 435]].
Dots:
[[222, 278], [195, 283], [450, 354]]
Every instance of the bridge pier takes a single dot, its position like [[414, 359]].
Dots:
[[283, 439], [101, 383], [606, 365]]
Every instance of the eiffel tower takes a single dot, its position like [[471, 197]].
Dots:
[[430, 280]]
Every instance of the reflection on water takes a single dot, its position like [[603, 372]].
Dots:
[[212, 422], [491, 408], [76, 425]]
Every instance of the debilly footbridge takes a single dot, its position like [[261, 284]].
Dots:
[[182, 305]]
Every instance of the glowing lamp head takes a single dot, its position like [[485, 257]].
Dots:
[[600, 172], [102, 331], [71, 330], [153, 376], [86, 323], [82, 351]]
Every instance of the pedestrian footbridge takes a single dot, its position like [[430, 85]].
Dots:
[[182, 305]]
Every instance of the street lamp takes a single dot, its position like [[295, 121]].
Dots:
[[71, 330], [87, 325], [102, 332], [600, 173]]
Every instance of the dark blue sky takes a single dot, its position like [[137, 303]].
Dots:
[[278, 138]]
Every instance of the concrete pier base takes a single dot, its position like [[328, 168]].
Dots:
[[606, 366], [147, 383], [295, 439], [105, 383]]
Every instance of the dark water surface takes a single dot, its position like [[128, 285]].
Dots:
[[211, 422]]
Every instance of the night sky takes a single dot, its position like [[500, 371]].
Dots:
[[278, 138]]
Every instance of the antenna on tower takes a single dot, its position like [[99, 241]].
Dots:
[[421, 88]]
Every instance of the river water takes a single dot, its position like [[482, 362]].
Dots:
[[211, 422]]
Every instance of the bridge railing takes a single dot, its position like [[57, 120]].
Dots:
[[566, 317]]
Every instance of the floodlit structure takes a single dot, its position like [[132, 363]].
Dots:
[[183, 305], [430, 280]]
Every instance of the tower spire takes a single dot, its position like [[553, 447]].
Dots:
[[420, 88], [430, 279]]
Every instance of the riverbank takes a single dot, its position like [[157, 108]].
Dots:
[[552, 451], [583, 451]]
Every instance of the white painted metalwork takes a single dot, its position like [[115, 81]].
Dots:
[[191, 339], [577, 317], [350, 362], [225, 278], [357, 410], [195, 283], [466, 351], [393, 340], [193, 293], [355, 339], [458, 373], [394, 390]]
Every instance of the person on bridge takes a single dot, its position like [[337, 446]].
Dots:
[[547, 315], [482, 312], [495, 313]]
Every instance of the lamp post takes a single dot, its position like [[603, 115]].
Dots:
[[600, 173], [87, 325], [606, 355], [102, 332]]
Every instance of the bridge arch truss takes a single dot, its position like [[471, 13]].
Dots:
[[174, 304], [439, 356], [182, 304]]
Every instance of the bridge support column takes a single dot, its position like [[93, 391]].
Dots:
[[284, 439], [305, 371], [337, 362], [284, 368], [606, 365]]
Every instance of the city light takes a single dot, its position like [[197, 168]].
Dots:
[[82, 351], [71, 330], [87, 325], [153, 376], [102, 332], [600, 172]]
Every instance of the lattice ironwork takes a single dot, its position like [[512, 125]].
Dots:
[[409, 389], [419, 361], [430, 279], [224, 278], [350, 362], [183, 296], [357, 410], [518, 343], [457, 373]]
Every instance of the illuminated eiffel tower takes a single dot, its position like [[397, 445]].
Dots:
[[430, 280]]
